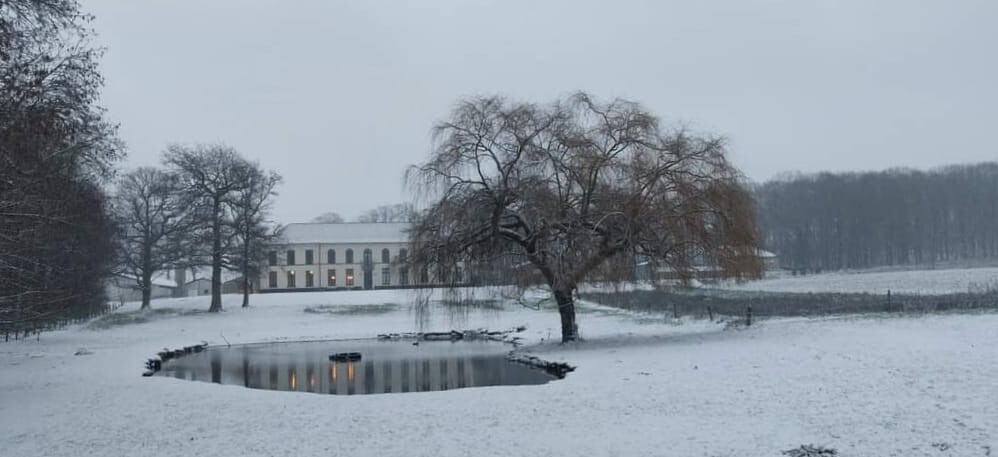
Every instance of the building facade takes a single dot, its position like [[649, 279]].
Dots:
[[316, 256]]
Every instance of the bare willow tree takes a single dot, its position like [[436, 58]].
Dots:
[[155, 226], [211, 177], [576, 188], [250, 218]]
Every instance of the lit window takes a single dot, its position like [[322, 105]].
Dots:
[[309, 279], [331, 279], [291, 279], [349, 279]]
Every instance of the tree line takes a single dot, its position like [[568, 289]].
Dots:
[[895, 217], [63, 230], [57, 151], [399, 212]]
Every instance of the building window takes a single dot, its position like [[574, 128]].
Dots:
[[403, 255], [291, 279], [386, 257], [386, 276], [403, 276], [272, 258], [308, 257], [331, 279], [331, 256], [291, 257], [272, 278], [424, 275], [309, 279], [349, 256], [349, 282], [368, 257]]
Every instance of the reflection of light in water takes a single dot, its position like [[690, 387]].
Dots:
[[420, 372]]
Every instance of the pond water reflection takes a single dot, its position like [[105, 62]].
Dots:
[[385, 367]]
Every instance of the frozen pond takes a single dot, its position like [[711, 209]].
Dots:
[[385, 367]]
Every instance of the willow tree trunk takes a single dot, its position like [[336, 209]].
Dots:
[[566, 309]]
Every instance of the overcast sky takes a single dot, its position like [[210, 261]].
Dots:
[[339, 96]]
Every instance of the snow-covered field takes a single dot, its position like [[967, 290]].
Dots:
[[879, 282], [864, 386]]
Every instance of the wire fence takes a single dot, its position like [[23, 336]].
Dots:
[[21, 328]]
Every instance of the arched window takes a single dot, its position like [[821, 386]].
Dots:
[[386, 257], [349, 255], [368, 257], [331, 256]]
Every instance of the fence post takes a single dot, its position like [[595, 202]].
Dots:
[[748, 316], [710, 313], [889, 308]]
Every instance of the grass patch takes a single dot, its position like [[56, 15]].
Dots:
[[129, 318], [352, 310], [484, 304]]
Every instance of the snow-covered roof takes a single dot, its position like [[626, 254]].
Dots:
[[764, 254], [158, 279], [345, 233]]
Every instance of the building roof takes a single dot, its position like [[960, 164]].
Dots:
[[158, 280], [345, 233]]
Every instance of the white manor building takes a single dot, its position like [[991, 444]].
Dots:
[[317, 256]]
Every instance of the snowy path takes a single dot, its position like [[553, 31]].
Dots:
[[901, 386]]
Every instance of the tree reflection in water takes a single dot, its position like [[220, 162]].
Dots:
[[386, 367]]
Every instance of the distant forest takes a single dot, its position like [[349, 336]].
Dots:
[[831, 221]]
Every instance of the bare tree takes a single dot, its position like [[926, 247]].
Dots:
[[212, 177], [329, 218], [577, 186], [154, 225], [399, 212], [250, 211]]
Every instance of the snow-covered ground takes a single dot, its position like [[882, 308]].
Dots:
[[644, 386], [943, 281]]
